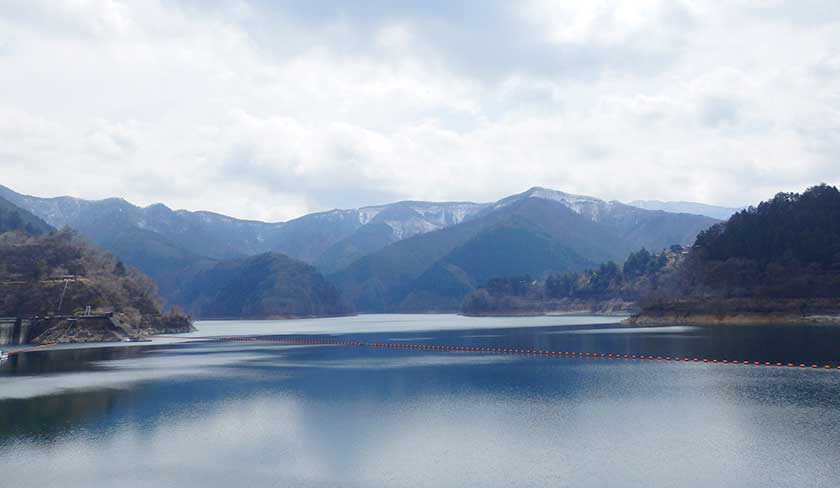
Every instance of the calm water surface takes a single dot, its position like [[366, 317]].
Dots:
[[194, 413]]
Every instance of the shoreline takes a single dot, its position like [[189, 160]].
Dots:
[[734, 319], [273, 317], [83, 336], [570, 313]]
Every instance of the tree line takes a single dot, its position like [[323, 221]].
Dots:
[[641, 272]]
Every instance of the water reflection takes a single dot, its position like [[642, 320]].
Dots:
[[203, 414]]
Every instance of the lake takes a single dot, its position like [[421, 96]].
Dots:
[[178, 412]]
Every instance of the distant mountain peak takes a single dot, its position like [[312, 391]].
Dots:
[[157, 206], [551, 194], [590, 207]]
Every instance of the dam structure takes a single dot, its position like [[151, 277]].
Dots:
[[14, 330]]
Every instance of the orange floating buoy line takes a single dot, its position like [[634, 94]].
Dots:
[[535, 352], [33, 348], [499, 350]]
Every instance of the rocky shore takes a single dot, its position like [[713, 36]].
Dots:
[[740, 311], [83, 329], [731, 319]]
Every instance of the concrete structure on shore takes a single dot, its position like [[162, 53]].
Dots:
[[62, 328], [14, 330]]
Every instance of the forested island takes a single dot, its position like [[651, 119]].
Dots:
[[778, 262]]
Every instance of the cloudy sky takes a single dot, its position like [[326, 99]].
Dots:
[[272, 109]]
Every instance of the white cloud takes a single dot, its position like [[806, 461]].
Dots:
[[270, 110]]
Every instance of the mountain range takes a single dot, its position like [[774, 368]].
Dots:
[[537, 232], [173, 245], [35, 259], [409, 255]]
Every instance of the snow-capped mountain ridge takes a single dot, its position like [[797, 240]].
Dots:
[[593, 208], [441, 214]]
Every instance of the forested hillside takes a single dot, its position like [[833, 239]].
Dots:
[[59, 274], [788, 247], [781, 257], [607, 288], [16, 218], [263, 286]]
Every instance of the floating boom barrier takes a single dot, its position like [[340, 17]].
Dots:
[[531, 352], [498, 350]]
